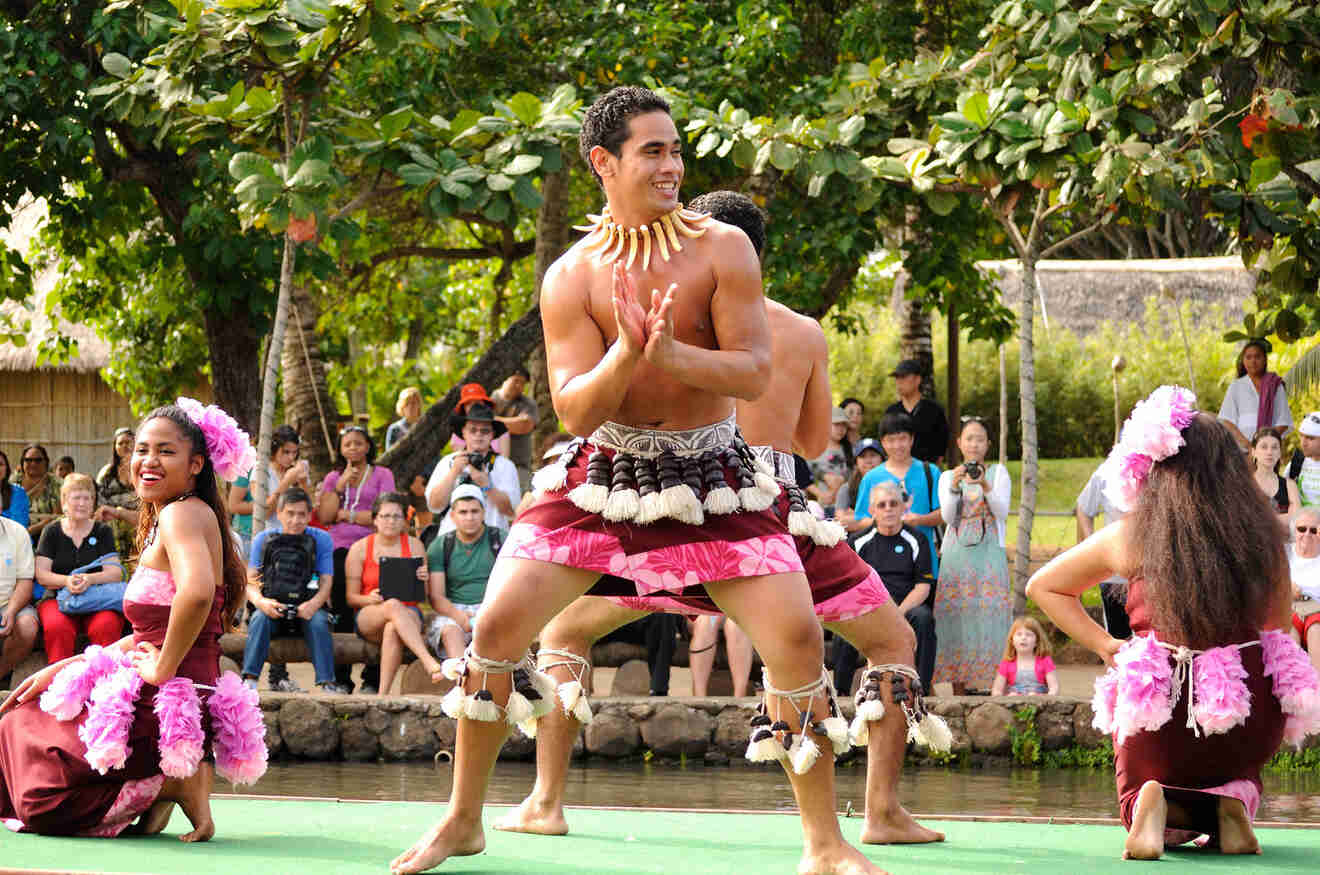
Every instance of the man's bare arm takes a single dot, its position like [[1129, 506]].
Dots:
[[813, 429]]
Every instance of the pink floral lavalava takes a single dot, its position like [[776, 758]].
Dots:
[[133, 799], [592, 551], [679, 566]]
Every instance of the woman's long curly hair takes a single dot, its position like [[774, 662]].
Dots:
[[207, 488], [1206, 541]]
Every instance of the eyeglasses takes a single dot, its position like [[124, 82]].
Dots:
[[966, 419], [479, 431], [1308, 530]]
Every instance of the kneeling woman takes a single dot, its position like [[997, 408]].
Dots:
[[96, 741], [1201, 696], [391, 623]]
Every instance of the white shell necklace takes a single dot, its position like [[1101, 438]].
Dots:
[[611, 239]]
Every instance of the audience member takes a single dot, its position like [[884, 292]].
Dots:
[[348, 493], [18, 618], [833, 467], [13, 500], [290, 576], [283, 471], [409, 409], [916, 479], [1257, 398], [1266, 451], [869, 455], [1092, 502], [391, 623], [115, 495], [975, 601], [65, 466], [1308, 472], [77, 554], [1304, 569], [701, 653], [497, 477], [459, 562], [658, 633], [930, 427], [1026, 669], [855, 410], [517, 410], [904, 560], [42, 488]]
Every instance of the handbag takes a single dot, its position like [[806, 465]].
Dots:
[[97, 597]]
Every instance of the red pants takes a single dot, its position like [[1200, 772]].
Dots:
[[60, 630]]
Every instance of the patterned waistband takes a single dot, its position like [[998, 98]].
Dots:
[[649, 443], [780, 462]]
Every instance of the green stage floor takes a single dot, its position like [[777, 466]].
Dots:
[[258, 836]]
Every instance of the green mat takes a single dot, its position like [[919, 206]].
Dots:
[[273, 836]]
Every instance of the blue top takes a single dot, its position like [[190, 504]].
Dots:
[[18, 506], [924, 500], [325, 549]]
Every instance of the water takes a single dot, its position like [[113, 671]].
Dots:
[[1293, 797]]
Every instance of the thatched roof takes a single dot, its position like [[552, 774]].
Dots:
[[1079, 295], [93, 352]]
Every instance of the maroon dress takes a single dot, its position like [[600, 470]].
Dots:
[[46, 784], [1196, 772]]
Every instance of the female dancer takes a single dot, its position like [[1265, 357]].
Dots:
[[1208, 594], [138, 748]]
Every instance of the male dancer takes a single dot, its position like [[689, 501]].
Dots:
[[794, 411], [654, 388]]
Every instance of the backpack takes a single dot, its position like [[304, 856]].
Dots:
[[495, 541], [288, 564]]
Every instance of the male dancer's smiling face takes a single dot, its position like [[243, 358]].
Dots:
[[646, 175]]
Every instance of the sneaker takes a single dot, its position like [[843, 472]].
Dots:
[[368, 689], [333, 689], [250, 683], [286, 685]]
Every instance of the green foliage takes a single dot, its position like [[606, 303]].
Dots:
[[1077, 757], [1288, 760], [1026, 745]]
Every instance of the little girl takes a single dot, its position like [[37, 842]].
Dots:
[[1027, 669]]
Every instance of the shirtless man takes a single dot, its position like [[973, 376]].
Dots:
[[793, 412], [652, 380]]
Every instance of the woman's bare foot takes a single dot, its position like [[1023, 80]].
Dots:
[[450, 837], [194, 797], [535, 818], [1235, 833], [897, 827], [154, 819], [1145, 840], [840, 859]]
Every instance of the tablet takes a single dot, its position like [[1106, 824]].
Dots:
[[398, 578]]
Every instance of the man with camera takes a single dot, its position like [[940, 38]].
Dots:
[[289, 577], [497, 477]]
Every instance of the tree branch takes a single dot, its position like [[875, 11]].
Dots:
[[1302, 180], [518, 251], [1037, 219], [1071, 239]]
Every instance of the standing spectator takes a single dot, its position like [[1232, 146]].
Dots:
[[64, 467], [1308, 472], [916, 478], [42, 488], [1257, 398], [115, 493], [869, 455], [855, 410], [1092, 502], [18, 619], [75, 541], [348, 493], [517, 411], [904, 561], [459, 563], [409, 409], [701, 653], [975, 601], [832, 468], [283, 471], [495, 475], [13, 500], [1266, 451], [930, 427]]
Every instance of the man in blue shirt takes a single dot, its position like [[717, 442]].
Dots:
[[918, 480], [289, 576]]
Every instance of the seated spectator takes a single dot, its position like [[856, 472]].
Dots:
[[117, 499], [1026, 669], [283, 471], [290, 571], [516, 409], [18, 619], [834, 466], [917, 479], [409, 409], [496, 476], [1304, 565], [903, 559], [77, 554], [1306, 469], [459, 562], [391, 623], [42, 488], [64, 467], [13, 500], [1266, 451], [869, 455]]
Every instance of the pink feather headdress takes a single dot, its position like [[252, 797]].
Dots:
[[229, 447], [1151, 434]]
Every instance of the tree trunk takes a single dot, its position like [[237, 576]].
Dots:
[[955, 415], [357, 393], [269, 382], [915, 342], [235, 367], [1003, 407], [553, 236], [1030, 462], [307, 405]]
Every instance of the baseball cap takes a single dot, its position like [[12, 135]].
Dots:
[[868, 444], [838, 414], [467, 490], [906, 367], [1310, 424]]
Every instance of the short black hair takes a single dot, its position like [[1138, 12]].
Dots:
[[285, 434], [737, 209], [897, 423], [606, 121], [846, 401], [293, 495], [69, 459], [521, 371]]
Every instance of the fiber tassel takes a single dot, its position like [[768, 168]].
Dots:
[[582, 710], [650, 508], [932, 732], [827, 533], [801, 523], [591, 497], [550, 478], [721, 500], [569, 694], [518, 709], [836, 730], [764, 747], [674, 501], [622, 504], [452, 668], [545, 686], [766, 483], [859, 733], [528, 728], [690, 510], [803, 755], [454, 704], [753, 499], [871, 709], [481, 706]]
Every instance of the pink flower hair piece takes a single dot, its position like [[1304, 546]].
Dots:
[[239, 732], [1222, 698], [1295, 684], [227, 445], [110, 717], [69, 691], [179, 713], [1104, 701], [1151, 434], [1144, 686]]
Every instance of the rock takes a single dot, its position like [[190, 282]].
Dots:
[[1084, 733], [392, 705], [518, 747], [409, 737], [1054, 725], [962, 742], [377, 719], [612, 735], [274, 742], [616, 653], [988, 726], [30, 665], [445, 730], [309, 728], [641, 711], [356, 742], [677, 730], [227, 664], [632, 679], [344, 706], [414, 681], [946, 708], [732, 730]]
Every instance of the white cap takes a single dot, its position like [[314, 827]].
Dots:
[[467, 490], [1310, 424]]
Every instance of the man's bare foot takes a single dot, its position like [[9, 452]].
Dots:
[[194, 797], [1235, 833], [448, 838], [842, 859], [1145, 840], [537, 819], [897, 827]]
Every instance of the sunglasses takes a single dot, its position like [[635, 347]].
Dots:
[[1308, 530], [352, 428], [883, 504]]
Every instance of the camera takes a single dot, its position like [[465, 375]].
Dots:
[[477, 460], [289, 612], [973, 470]]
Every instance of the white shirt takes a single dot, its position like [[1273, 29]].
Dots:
[[1001, 491], [16, 558], [1242, 401], [1093, 502], [1305, 573], [503, 476], [1308, 481]]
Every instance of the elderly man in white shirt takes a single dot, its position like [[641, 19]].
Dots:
[[1304, 566], [478, 464], [18, 618]]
